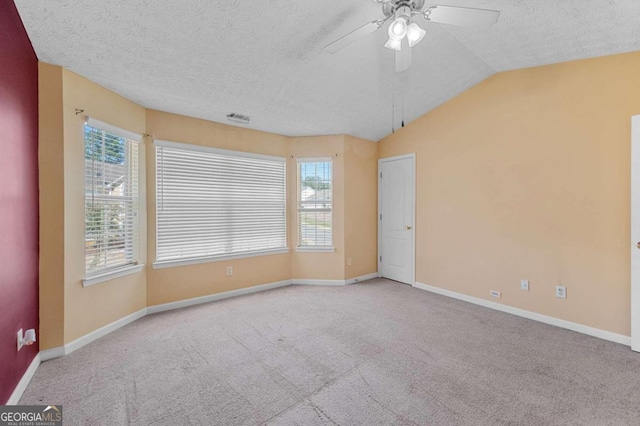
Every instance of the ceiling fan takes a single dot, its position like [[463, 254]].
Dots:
[[404, 34]]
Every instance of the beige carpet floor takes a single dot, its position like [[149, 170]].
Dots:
[[374, 353]]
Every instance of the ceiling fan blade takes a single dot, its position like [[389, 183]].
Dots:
[[354, 35], [461, 16], [403, 57]]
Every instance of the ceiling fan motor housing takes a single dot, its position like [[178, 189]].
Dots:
[[391, 7]]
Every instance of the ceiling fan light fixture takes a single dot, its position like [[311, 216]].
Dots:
[[415, 34], [398, 29], [393, 44]]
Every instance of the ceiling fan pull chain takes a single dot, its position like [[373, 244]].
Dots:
[[402, 89]]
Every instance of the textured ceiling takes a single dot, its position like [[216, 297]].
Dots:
[[265, 58]]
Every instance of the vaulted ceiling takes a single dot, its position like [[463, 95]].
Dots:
[[266, 58]]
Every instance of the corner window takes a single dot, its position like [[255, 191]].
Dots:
[[315, 204], [111, 198]]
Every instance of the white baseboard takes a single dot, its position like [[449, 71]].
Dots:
[[204, 299], [361, 278], [24, 382], [93, 336], [47, 354], [242, 291], [103, 331], [60, 351], [591, 331], [304, 281]]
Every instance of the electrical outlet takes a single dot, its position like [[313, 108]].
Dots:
[[495, 293], [349, 261], [524, 285], [26, 339], [229, 270], [561, 292]]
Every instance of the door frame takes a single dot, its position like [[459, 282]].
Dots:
[[635, 233], [412, 210]]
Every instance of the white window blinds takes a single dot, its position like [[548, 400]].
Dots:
[[215, 203], [111, 197], [315, 203]]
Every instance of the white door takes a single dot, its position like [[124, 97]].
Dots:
[[635, 233], [396, 231]]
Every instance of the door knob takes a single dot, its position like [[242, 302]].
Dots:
[[638, 244], [408, 227]]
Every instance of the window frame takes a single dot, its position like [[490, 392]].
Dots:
[[168, 263], [134, 265], [313, 248]]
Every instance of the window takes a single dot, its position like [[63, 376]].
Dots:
[[111, 198], [215, 204], [315, 204]]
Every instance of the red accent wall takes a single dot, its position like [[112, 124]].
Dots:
[[18, 196]]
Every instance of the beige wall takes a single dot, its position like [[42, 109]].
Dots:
[[69, 310], [526, 176], [51, 191], [319, 266], [361, 206], [185, 282], [87, 309]]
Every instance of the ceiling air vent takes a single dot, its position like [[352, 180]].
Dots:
[[238, 118]]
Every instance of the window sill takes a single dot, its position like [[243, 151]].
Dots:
[[121, 272], [315, 249], [192, 261]]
